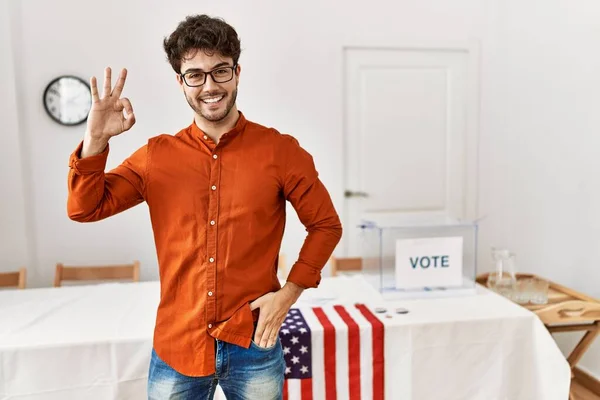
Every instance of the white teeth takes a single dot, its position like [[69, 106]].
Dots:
[[212, 99]]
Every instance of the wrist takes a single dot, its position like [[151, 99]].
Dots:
[[292, 292], [93, 145]]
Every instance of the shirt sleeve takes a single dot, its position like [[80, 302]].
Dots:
[[94, 194], [312, 202]]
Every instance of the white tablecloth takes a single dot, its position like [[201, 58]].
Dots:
[[94, 343], [476, 347]]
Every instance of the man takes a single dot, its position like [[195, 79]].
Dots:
[[216, 193]]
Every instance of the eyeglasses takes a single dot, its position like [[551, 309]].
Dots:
[[198, 78]]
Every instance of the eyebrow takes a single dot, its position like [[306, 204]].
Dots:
[[221, 64]]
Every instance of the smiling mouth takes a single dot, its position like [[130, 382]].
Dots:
[[212, 100]]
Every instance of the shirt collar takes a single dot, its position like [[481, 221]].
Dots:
[[238, 128]]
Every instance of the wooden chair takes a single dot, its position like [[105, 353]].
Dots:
[[16, 279], [345, 264], [93, 273]]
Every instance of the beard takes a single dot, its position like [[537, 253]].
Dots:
[[213, 116]]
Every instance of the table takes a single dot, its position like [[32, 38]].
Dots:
[[567, 310], [94, 342], [477, 347]]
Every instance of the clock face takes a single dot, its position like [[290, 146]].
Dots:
[[68, 100]]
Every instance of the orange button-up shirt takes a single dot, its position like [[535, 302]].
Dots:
[[218, 216]]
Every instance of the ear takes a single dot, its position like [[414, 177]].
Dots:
[[238, 70], [179, 79]]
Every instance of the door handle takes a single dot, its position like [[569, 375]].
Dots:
[[350, 193]]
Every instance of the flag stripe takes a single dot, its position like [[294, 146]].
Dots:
[[329, 346], [306, 388], [366, 353], [294, 392], [353, 353], [378, 348], [285, 389], [342, 367], [318, 353]]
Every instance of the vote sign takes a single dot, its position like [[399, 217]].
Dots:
[[429, 262]]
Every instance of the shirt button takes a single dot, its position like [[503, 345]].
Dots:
[[209, 326], [215, 156], [205, 137], [214, 187], [212, 222], [211, 259], [210, 293]]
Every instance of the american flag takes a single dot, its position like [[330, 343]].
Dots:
[[332, 353]]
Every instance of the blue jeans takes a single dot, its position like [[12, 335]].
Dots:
[[255, 373]]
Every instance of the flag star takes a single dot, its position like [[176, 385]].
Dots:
[[288, 370], [304, 369], [294, 311], [286, 350], [295, 340], [299, 323], [289, 321], [285, 331], [303, 330], [296, 317], [295, 360], [303, 349]]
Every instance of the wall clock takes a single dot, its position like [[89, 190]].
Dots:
[[67, 100]]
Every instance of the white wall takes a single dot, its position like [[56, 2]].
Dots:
[[13, 222], [286, 48], [539, 85], [544, 142]]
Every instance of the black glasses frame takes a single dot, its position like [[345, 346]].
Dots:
[[206, 74]]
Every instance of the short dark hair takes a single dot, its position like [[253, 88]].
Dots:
[[201, 32]]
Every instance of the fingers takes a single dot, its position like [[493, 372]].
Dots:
[[256, 304], [266, 333], [260, 328], [127, 105], [269, 320], [106, 90], [107, 77], [120, 84], [264, 340], [273, 337], [129, 116], [129, 122], [94, 89]]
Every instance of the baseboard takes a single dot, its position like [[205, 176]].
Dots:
[[587, 380]]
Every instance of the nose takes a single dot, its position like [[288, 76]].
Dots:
[[209, 84]]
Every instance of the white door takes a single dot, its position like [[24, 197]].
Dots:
[[410, 126]]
